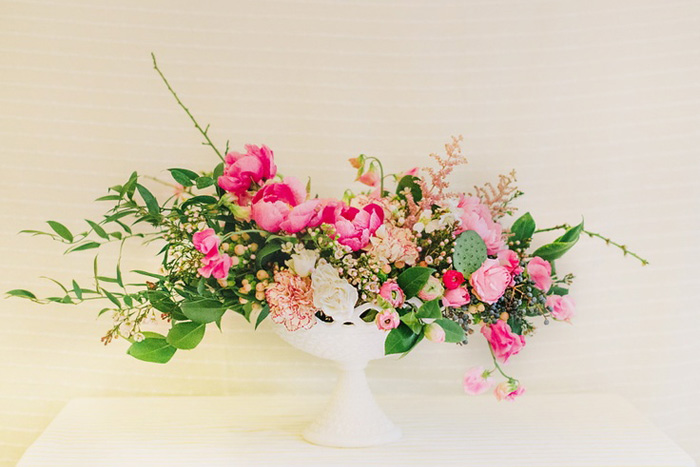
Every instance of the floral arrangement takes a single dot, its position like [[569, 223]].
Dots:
[[436, 264]]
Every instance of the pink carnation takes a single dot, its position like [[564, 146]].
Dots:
[[241, 170], [476, 381], [387, 320], [511, 261], [392, 293], [206, 242], [216, 266], [490, 281], [508, 391], [540, 271], [355, 226], [456, 297], [477, 217], [562, 307], [504, 342], [291, 302]]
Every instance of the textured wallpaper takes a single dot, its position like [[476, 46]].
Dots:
[[596, 105]]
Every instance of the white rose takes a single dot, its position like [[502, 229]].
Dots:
[[332, 294], [303, 263]]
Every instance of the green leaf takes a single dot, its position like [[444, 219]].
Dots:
[[119, 215], [267, 252], [430, 310], [205, 310], [200, 199], [149, 199], [78, 291], [410, 320], [84, 246], [261, 317], [161, 301], [409, 181], [572, 234], [152, 349], [119, 276], [556, 290], [523, 229], [184, 177], [128, 301], [453, 331], [516, 325], [400, 340], [61, 230], [412, 280], [109, 198], [149, 274], [203, 182], [21, 293], [98, 230], [561, 245], [112, 298], [187, 335], [130, 186]]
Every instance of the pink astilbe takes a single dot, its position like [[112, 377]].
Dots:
[[291, 302], [498, 197]]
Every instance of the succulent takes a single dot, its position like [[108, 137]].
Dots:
[[470, 252]]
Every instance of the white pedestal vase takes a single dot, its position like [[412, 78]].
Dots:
[[351, 418]]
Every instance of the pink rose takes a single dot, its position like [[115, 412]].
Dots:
[[387, 320], [355, 226], [215, 266], [490, 281], [504, 342], [274, 202], [508, 391], [206, 242], [477, 217], [540, 272], [241, 170], [434, 333], [392, 293], [477, 381], [431, 290], [456, 297], [562, 307], [511, 261], [452, 279]]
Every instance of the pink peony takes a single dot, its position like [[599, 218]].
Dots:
[[302, 216], [434, 332], [291, 302], [274, 202], [511, 261], [206, 242], [504, 342], [477, 217], [392, 293], [490, 281], [216, 266], [431, 290], [477, 381], [508, 391], [241, 170], [355, 226], [387, 320], [562, 307], [540, 272], [331, 210], [452, 279], [456, 297]]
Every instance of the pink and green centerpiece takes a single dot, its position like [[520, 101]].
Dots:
[[350, 279]]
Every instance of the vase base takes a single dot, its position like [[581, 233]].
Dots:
[[324, 438]]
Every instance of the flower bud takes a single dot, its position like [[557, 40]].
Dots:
[[434, 332]]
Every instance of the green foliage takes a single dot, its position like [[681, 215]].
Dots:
[[61, 230], [263, 314], [149, 199], [522, 231], [154, 348], [203, 310], [557, 290], [413, 279], [561, 245], [469, 254], [267, 252], [21, 293], [401, 340], [430, 310], [411, 320], [184, 177], [453, 331], [410, 182], [186, 335]]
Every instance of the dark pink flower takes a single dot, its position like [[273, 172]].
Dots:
[[354, 227], [504, 342], [206, 242], [216, 266], [392, 293], [241, 170], [511, 261], [452, 279], [508, 391], [273, 204]]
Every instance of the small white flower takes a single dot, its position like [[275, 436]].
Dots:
[[303, 262]]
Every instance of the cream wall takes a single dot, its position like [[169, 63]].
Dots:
[[595, 103]]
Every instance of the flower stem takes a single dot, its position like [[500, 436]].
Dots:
[[381, 174], [204, 131], [498, 367], [607, 240]]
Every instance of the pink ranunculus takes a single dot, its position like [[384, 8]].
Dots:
[[490, 281], [452, 279], [508, 391], [477, 381], [431, 290], [274, 202], [504, 342], [206, 242], [392, 293], [456, 297], [511, 261], [434, 332], [540, 272], [562, 307], [216, 266], [355, 226], [241, 170], [477, 217], [387, 320]]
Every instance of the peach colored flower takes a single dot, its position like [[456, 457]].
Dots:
[[508, 390], [477, 381], [392, 293], [291, 301], [391, 244]]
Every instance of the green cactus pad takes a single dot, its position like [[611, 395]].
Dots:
[[470, 252]]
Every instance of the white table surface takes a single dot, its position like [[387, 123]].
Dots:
[[547, 430]]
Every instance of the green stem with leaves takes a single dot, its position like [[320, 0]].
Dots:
[[608, 241], [498, 367]]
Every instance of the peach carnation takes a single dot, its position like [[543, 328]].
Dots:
[[391, 244], [291, 301]]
